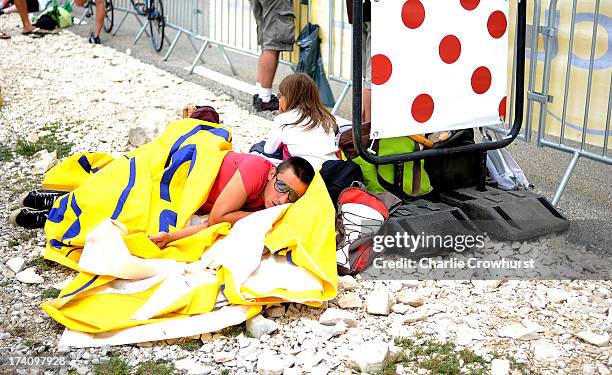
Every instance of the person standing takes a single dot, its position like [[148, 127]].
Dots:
[[94, 36], [275, 33]]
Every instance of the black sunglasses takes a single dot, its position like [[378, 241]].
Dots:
[[282, 187]]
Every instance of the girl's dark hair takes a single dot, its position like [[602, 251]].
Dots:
[[300, 92]]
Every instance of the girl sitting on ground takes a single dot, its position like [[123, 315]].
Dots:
[[305, 127]]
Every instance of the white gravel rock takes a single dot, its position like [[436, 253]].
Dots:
[[350, 301], [500, 367], [43, 160], [411, 298], [593, 338], [544, 350], [521, 331], [259, 326], [347, 282], [332, 316], [557, 295], [29, 276], [370, 357], [15, 264], [270, 364], [192, 366], [379, 302]]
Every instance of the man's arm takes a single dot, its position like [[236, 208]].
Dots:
[[225, 209], [228, 204]]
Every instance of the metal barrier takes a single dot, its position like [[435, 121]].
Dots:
[[549, 135]]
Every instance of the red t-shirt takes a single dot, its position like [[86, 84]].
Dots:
[[254, 172]]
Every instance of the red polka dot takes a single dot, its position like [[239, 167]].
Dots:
[[481, 80], [502, 108], [450, 49], [422, 108], [497, 24], [413, 14], [470, 4], [381, 69]]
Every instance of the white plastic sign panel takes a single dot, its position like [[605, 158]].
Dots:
[[438, 65]]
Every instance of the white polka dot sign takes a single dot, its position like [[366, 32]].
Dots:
[[438, 65]]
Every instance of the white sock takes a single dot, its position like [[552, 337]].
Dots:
[[257, 86], [265, 94]]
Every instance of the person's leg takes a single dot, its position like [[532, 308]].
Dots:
[[278, 29], [100, 14], [266, 70], [366, 105], [22, 9]]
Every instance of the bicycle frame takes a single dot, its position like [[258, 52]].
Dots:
[[417, 155]]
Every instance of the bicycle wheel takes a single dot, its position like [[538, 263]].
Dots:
[[109, 17], [157, 23]]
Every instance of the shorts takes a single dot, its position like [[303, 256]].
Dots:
[[275, 24], [366, 64]]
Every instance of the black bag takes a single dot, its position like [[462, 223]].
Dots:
[[339, 175], [311, 62], [449, 172], [46, 22], [259, 148]]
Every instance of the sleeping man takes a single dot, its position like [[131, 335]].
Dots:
[[244, 183], [247, 183]]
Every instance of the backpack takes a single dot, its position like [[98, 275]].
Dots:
[[339, 175], [359, 218], [381, 178], [454, 171]]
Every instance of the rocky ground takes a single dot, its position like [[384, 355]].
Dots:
[[63, 95]]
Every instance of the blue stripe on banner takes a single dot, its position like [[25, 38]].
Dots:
[[57, 244], [84, 163], [220, 132], [75, 228], [57, 213], [289, 259], [185, 154], [82, 288], [167, 218], [126, 192]]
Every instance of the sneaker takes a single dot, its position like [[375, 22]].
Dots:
[[272, 105], [29, 218], [40, 199], [94, 39]]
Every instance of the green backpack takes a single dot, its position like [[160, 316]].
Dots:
[[379, 178]]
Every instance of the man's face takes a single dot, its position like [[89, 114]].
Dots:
[[272, 197]]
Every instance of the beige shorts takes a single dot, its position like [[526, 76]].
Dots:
[[275, 24]]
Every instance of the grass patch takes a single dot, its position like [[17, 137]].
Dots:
[[155, 368], [225, 372], [233, 331], [190, 344], [50, 142], [115, 366], [12, 242], [50, 293], [6, 153], [40, 263], [444, 358]]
